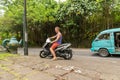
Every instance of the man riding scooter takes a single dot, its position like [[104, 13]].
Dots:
[[56, 42]]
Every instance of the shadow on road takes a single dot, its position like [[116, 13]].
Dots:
[[95, 54], [111, 56]]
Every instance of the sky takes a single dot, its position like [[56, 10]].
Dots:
[[1, 11], [61, 0]]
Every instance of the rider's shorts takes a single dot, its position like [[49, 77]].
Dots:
[[54, 45]]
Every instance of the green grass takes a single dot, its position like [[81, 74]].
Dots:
[[4, 56]]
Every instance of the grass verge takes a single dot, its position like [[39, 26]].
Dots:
[[4, 56]]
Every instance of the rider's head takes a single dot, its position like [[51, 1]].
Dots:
[[57, 29]]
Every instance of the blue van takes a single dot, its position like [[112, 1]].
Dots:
[[107, 42]]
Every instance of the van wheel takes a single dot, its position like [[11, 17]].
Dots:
[[103, 53]]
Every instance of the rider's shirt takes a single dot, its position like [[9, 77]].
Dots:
[[60, 39]]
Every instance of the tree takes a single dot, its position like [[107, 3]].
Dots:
[[73, 16], [80, 20]]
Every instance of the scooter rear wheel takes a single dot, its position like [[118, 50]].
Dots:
[[68, 55], [43, 54]]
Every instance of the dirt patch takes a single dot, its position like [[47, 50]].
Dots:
[[35, 68]]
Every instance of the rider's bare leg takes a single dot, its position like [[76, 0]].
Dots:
[[53, 53]]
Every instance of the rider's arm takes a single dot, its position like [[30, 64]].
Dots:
[[58, 36], [53, 37]]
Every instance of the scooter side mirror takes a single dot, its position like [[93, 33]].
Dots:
[[96, 39]]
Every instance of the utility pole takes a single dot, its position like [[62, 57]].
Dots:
[[25, 39]]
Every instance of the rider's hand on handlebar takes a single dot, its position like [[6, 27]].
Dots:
[[52, 42]]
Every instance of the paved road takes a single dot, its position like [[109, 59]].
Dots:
[[35, 51], [76, 52]]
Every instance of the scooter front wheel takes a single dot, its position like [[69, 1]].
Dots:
[[43, 54]]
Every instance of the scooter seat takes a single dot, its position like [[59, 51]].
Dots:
[[63, 45]]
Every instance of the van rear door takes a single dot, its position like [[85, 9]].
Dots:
[[117, 42]]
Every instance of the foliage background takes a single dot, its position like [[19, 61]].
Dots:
[[80, 20]]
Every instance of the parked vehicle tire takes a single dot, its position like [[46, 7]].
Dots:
[[5, 42], [68, 55], [103, 53], [43, 54]]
